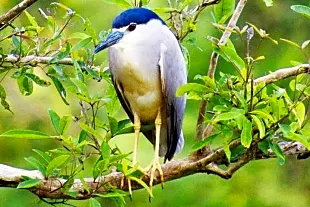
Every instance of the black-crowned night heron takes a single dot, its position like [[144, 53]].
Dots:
[[147, 66]]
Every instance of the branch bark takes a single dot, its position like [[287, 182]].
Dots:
[[34, 60], [283, 74], [15, 11], [51, 188]]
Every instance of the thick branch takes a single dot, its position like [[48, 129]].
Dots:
[[15, 11], [283, 73], [11, 177]]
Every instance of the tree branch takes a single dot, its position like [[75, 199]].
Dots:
[[14, 12], [200, 127], [34, 60], [51, 188], [283, 73]]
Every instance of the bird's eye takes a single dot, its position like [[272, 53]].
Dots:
[[132, 27]]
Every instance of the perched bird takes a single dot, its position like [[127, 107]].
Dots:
[[147, 67]]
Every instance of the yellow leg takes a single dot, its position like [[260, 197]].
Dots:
[[137, 127], [155, 165]]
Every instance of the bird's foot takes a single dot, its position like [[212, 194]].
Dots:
[[135, 171], [155, 165]]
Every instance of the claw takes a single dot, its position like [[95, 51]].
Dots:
[[129, 185], [155, 165]]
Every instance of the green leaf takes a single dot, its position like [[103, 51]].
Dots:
[[105, 150], [142, 184], [50, 41], [64, 123], [16, 42], [24, 134], [227, 116], [37, 80], [37, 164], [78, 35], [230, 55], [290, 42], [91, 131], [279, 153], [61, 55], [93, 73], [299, 138], [85, 185], [289, 133], [209, 82], [82, 136], [29, 183], [227, 136], [4, 103], [81, 44], [94, 203], [300, 113], [113, 125], [25, 85], [263, 114], [56, 163], [190, 87], [264, 146], [246, 134], [268, 3], [115, 158], [227, 151], [204, 142], [90, 30], [163, 10], [80, 86], [31, 19], [43, 155], [112, 194], [260, 125], [301, 9], [61, 90], [122, 3], [241, 99], [223, 10], [55, 120]]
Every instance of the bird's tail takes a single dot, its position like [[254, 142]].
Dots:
[[180, 144]]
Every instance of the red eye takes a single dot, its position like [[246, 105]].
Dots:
[[132, 27]]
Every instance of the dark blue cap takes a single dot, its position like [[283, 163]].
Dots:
[[135, 15]]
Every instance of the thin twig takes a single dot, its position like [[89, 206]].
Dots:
[[34, 60]]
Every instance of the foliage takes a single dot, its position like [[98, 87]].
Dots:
[[239, 109]]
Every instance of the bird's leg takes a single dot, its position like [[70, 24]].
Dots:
[[137, 127], [155, 165]]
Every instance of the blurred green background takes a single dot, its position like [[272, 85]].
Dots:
[[260, 183]]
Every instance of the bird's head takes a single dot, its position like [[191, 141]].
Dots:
[[131, 27]]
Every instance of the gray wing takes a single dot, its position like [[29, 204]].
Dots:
[[173, 74]]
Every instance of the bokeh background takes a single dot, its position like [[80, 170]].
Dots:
[[260, 183]]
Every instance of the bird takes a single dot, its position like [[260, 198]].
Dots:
[[147, 67]]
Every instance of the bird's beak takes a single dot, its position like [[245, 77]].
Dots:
[[112, 39]]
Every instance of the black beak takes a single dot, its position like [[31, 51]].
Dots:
[[112, 39]]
